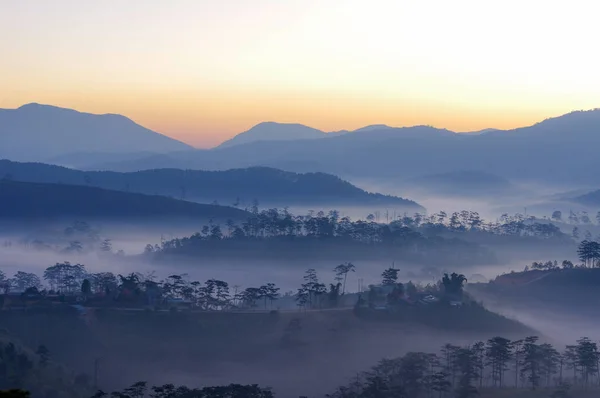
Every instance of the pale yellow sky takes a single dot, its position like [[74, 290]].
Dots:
[[204, 70]]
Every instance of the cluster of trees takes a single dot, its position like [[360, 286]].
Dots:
[[578, 219], [575, 218], [73, 279], [78, 237], [550, 265], [589, 253], [141, 390], [463, 372], [20, 368], [66, 279]]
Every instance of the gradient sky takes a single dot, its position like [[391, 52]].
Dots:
[[204, 70]]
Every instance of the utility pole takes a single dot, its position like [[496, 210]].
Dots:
[[96, 363]]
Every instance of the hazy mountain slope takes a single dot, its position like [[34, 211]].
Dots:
[[269, 186], [41, 132], [271, 131], [41, 201], [561, 150], [542, 152], [591, 199], [460, 183], [373, 152]]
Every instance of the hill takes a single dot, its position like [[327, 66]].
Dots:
[[535, 153], [591, 199], [561, 290], [271, 131], [23, 200], [288, 351], [268, 186], [41, 132]]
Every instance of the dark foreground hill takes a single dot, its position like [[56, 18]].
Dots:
[[22, 200], [289, 351], [268, 186]]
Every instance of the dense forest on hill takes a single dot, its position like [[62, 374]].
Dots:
[[239, 187], [460, 238]]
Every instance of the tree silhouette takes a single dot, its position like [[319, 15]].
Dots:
[[390, 276], [341, 273], [453, 285]]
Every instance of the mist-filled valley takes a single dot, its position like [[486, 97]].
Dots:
[[278, 298], [290, 261]]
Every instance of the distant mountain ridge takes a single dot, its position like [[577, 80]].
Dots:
[[268, 186], [41, 132], [273, 131], [536, 153]]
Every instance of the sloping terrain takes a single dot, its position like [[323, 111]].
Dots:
[[268, 186], [22, 200], [534, 153], [42, 132]]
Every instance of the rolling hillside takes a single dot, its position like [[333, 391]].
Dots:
[[268, 186], [22, 200], [591, 199]]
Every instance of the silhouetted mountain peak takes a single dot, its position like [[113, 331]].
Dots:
[[38, 132], [273, 131], [575, 118], [373, 127]]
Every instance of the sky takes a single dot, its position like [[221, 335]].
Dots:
[[204, 70]]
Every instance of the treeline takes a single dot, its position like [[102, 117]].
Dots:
[[465, 372], [277, 223], [419, 239], [588, 252], [575, 218], [66, 279], [141, 390]]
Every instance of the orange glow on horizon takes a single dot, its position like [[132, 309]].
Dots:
[[206, 122], [203, 71]]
